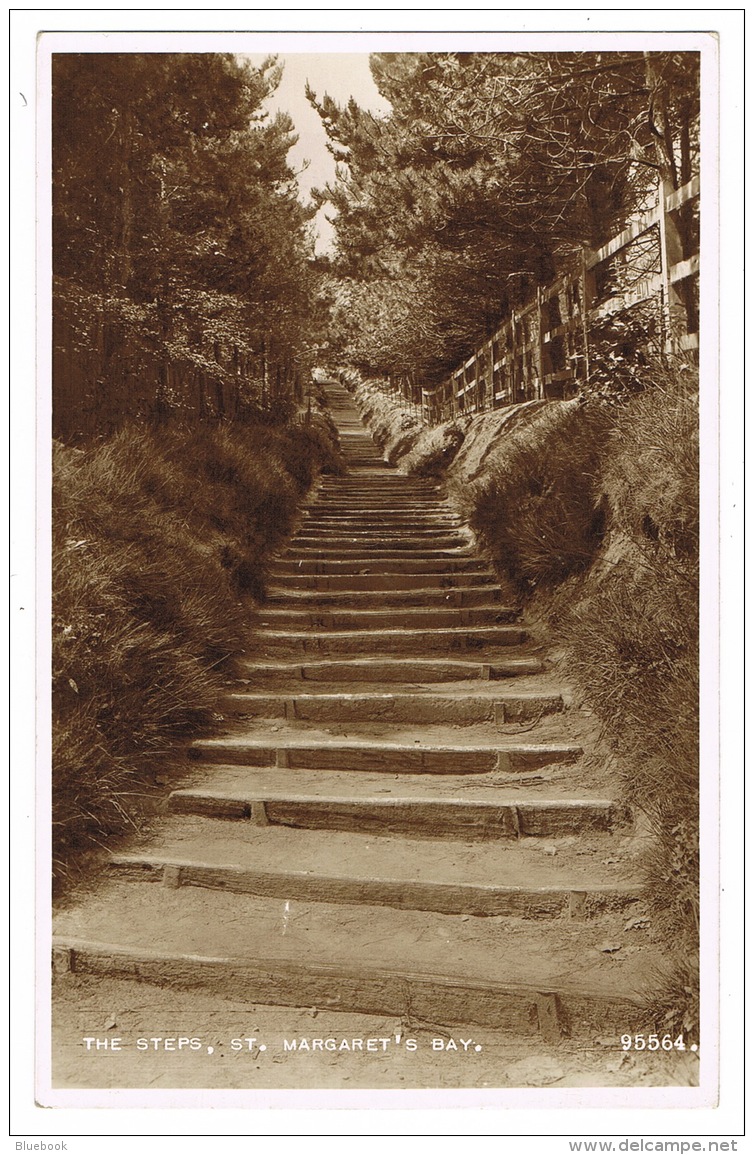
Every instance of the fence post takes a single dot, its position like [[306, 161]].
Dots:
[[540, 349], [671, 252], [479, 380], [514, 359], [587, 296]]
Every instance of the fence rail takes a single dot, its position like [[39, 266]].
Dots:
[[647, 275]]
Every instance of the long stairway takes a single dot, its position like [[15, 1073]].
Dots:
[[398, 819]]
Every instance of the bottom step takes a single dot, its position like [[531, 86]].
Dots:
[[508, 974], [526, 1011]]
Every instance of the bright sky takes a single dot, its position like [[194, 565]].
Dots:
[[341, 76]]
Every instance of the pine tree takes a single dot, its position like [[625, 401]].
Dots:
[[181, 252]]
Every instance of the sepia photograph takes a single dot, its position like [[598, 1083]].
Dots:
[[374, 419]]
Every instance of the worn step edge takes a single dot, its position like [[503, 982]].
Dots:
[[389, 521], [413, 529], [296, 552], [380, 476], [399, 670], [436, 502], [463, 598], [407, 707], [385, 530], [329, 481], [396, 499], [417, 818], [325, 542], [381, 582], [395, 495], [344, 618], [361, 566], [363, 529], [369, 613], [378, 643], [386, 509], [539, 902], [507, 635], [376, 756], [449, 999], [380, 481], [370, 486], [400, 514]]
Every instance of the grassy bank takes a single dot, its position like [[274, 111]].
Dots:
[[591, 511], [161, 538]]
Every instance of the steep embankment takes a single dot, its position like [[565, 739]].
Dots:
[[591, 510], [161, 539]]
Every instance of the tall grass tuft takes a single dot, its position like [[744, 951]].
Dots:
[[633, 640], [159, 536], [435, 449], [537, 508]]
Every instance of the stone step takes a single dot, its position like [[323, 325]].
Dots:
[[463, 807], [399, 500], [364, 461], [297, 750], [458, 708], [399, 670], [376, 505], [483, 879], [397, 523], [400, 538], [381, 477], [376, 471], [443, 567], [292, 598], [407, 642], [368, 619], [402, 507], [342, 495], [331, 547], [430, 967], [412, 524], [368, 486], [357, 582], [398, 549], [391, 499]]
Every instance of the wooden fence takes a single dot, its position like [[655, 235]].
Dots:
[[641, 286]]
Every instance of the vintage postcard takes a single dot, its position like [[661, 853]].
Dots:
[[379, 766]]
